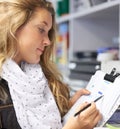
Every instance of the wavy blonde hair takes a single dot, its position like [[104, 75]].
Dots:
[[14, 14]]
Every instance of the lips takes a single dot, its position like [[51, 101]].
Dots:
[[39, 50]]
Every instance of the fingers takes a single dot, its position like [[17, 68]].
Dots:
[[82, 92], [94, 114], [90, 116], [92, 109], [82, 106], [87, 119], [97, 118], [77, 95]]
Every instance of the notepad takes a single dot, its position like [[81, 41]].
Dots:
[[98, 86]]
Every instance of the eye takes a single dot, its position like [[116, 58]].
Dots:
[[41, 30]]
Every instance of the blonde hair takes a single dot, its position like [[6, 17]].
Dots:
[[14, 14]]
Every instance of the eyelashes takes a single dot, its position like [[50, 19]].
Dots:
[[41, 30]]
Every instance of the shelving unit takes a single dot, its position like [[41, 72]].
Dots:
[[95, 27], [92, 28]]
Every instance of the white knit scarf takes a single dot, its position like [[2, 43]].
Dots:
[[33, 101]]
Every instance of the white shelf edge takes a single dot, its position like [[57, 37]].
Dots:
[[88, 11]]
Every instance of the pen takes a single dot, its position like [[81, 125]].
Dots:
[[87, 106]]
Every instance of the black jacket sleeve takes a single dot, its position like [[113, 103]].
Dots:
[[8, 118]]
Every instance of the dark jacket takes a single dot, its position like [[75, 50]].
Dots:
[[8, 118]]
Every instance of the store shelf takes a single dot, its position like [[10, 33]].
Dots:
[[111, 5], [92, 28]]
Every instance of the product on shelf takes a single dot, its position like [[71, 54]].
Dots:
[[62, 7], [62, 44], [79, 5], [97, 2]]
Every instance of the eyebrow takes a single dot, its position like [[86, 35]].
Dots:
[[44, 22]]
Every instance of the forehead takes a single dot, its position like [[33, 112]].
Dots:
[[42, 15]]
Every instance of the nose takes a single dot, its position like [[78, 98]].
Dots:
[[47, 41]]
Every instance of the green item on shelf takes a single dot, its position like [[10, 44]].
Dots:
[[65, 7], [112, 127], [59, 6], [62, 7]]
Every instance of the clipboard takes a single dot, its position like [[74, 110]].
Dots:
[[101, 84]]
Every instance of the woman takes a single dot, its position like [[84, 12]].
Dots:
[[32, 94]]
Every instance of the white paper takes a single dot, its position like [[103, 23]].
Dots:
[[107, 104]]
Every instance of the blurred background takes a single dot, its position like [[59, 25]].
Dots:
[[88, 38]]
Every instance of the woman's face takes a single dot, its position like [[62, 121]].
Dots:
[[33, 37]]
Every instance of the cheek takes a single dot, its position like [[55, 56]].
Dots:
[[27, 49], [29, 53]]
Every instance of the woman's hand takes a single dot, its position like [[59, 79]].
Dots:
[[87, 119], [77, 95]]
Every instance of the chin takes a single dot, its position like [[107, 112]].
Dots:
[[33, 61], [36, 61]]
